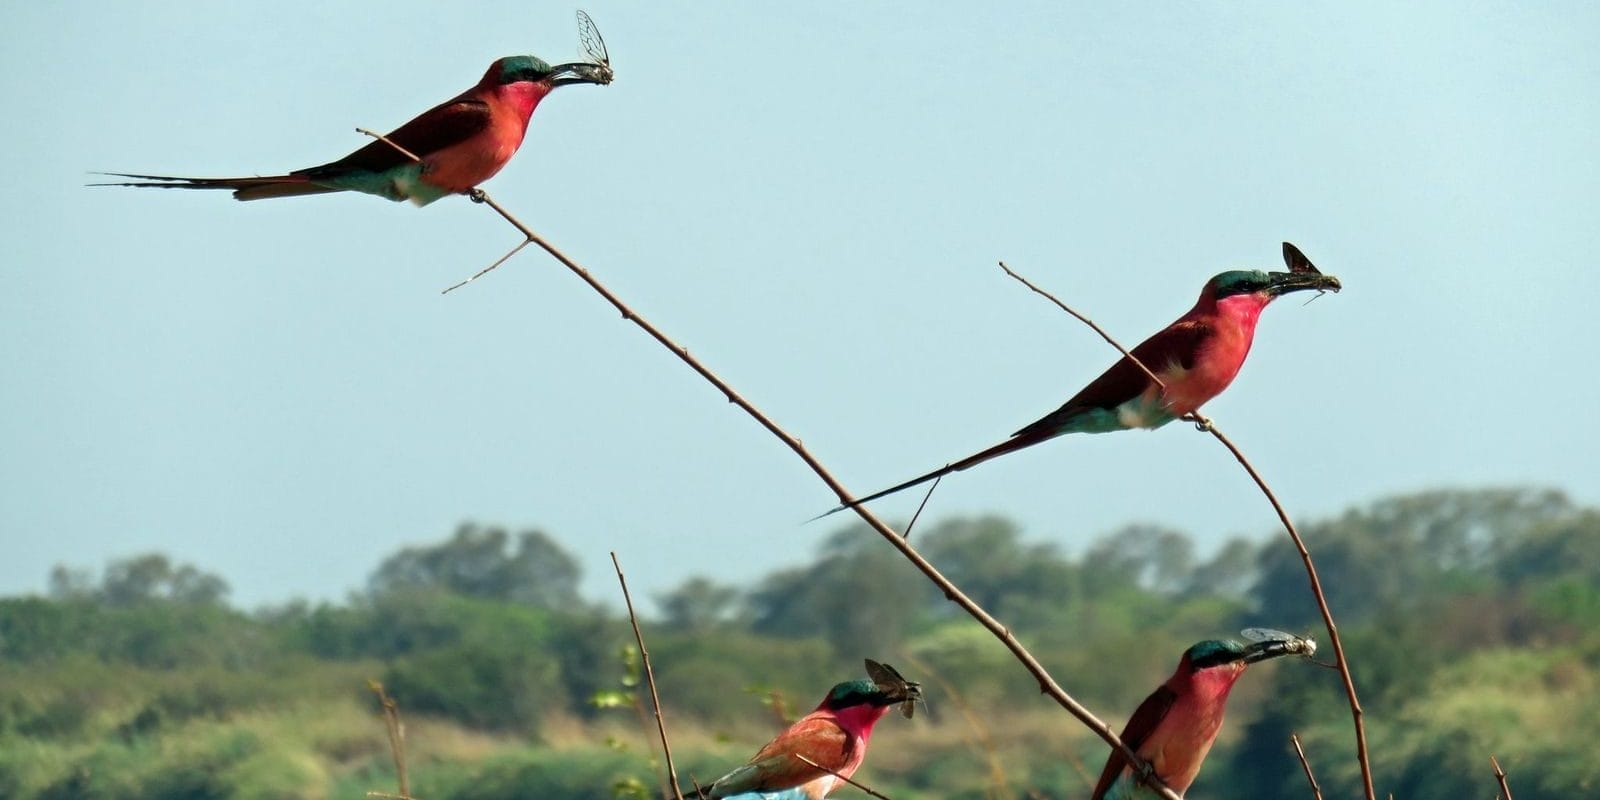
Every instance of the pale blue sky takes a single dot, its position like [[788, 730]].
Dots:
[[812, 197]]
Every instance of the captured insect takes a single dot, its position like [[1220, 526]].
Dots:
[[594, 46], [1299, 264], [1301, 645], [890, 682], [1292, 256]]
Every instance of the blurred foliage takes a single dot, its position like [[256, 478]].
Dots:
[[1472, 619], [480, 563]]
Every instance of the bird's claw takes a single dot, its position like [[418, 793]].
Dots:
[[476, 195], [1202, 424], [1147, 773]]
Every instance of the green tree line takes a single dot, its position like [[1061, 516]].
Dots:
[[1472, 620]]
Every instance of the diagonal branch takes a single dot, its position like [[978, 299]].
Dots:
[[1047, 684], [863, 787], [1356, 714], [1500, 775], [920, 506], [1206, 425], [386, 140], [650, 679], [1316, 791], [486, 270], [1085, 320]]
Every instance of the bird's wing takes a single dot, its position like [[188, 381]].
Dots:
[[433, 130], [1177, 343], [775, 767], [1144, 720]]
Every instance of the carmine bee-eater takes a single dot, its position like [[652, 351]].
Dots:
[[1196, 357], [461, 142], [1174, 727], [833, 736]]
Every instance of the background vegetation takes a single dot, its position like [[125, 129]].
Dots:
[[1472, 619]]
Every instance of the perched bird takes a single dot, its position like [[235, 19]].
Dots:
[[1174, 727], [834, 736], [461, 142], [1196, 357]]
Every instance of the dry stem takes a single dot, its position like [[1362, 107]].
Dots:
[[1500, 775], [862, 787], [650, 679], [1205, 424], [1316, 790], [482, 272], [920, 506], [386, 140]]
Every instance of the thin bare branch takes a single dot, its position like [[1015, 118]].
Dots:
[[1047, 684], [650, 679], [1085, 320], [861, 786], [1500, 775], [1204, 424], [386, 140], [486, 270], [397, 739], [1356, 714], [1316, 790], [920, 506]]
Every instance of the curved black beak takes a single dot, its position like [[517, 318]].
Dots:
[[1275, 648], [1280, 283], [581, 72]]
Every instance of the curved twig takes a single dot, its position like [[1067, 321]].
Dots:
[[1316, 791], [924, 504], [1500, 775], [650, 679], [863, 787], [386, 140]]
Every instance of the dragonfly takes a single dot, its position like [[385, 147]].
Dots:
[[1299, 645], [594, 46]]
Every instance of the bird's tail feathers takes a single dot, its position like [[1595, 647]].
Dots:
[[253, 188], [1011, 445]]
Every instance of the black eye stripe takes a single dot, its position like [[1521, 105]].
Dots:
[[1241, 282], [1213, 659]]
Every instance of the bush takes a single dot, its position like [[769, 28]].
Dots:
[[586, 774], [495, 685]]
